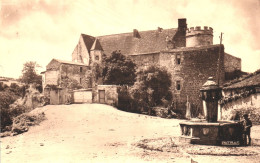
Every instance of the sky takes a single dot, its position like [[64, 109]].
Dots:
[[40, 30]]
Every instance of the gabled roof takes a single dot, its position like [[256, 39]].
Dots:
[[70, 62], [88, 40], [149, 42], [96, 46], [252, 80]]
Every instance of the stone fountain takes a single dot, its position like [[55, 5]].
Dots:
[[211, 131]]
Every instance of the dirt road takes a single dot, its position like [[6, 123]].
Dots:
[[95, 133]]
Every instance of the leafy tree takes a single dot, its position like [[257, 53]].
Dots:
[[119, 70], [152, 87], [30, 75]]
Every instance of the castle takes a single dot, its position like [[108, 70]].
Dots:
[[188, 54]]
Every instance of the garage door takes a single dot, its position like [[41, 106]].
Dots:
[[83, 97]]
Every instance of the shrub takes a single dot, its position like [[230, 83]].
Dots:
[[125, 101], [152, 88], [6, 98], [22, 122], [253, 113]]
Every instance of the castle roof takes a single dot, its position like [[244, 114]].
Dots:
[[147, 42], [88, 40], [252, 80], [96, 45], [69, 62]]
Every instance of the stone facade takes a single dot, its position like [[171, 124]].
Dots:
[[81, 53], [189, 69], [57, 71], [231, 63], [110, 94], [242, 95]]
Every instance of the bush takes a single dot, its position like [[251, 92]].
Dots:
[[6, 98], [152, 88], [22, 122], [254, 114], [125, 101]]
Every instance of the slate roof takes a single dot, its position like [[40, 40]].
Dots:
[[252, 80], [151, 41], [70, 62], [88, 40], [96, 45]]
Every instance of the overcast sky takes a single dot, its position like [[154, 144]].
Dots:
[[39, 30]]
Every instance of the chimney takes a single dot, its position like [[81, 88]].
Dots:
[[159, 29], [136, 33], [182, 24]]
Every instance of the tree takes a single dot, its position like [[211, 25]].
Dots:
[[152, 86], [30, 75], [119, 70]]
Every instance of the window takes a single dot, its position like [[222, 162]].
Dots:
[[80, 69], [178, 85], [80, 80], [178, 57], [97, 57]]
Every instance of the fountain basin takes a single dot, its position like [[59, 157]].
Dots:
[[227, 133]]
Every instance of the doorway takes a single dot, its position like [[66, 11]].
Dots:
[[101, 96]]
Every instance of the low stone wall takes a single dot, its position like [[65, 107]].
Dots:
[[250, 104]]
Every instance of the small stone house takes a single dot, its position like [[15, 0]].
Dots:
[[61, 77], [241, 94]]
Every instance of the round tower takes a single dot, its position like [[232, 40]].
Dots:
[[199, 37]]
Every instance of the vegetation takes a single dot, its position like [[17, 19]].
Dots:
[[152, 88], [6, 98], [119, 70], [30, 76], [70, 83], [22, 122]]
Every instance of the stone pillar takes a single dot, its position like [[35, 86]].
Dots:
[[211, 93]]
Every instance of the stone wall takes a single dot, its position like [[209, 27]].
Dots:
[[199, 40], [50, 78], [80, 53], [231, 63], [111, 95], [145, 59], [251, 101], [191, 72], [53, 65], [78, 72]]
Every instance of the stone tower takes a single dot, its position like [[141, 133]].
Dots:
[[96, 53], [199, 37]]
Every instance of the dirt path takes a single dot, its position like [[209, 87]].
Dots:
[[76, 133], [96, 133]]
